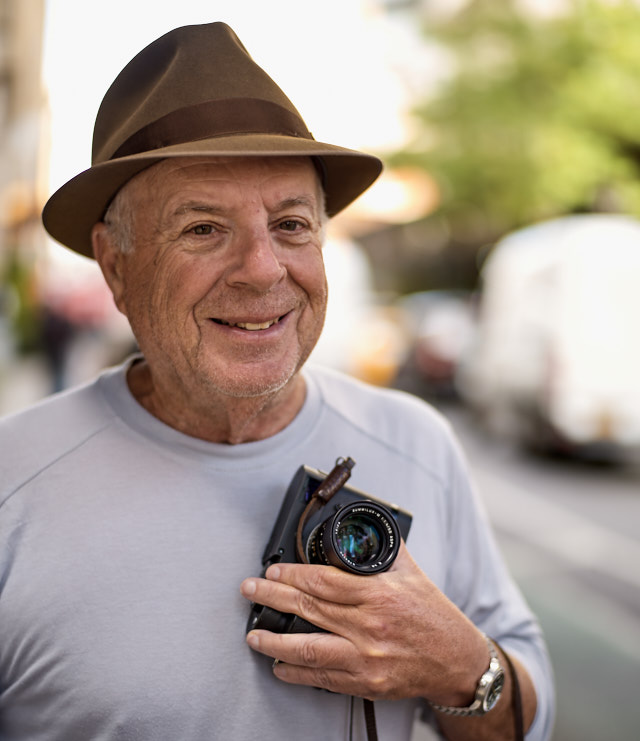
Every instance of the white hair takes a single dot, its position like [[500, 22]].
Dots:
[[119, 219]]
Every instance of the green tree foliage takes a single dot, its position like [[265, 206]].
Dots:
[[539, 117]]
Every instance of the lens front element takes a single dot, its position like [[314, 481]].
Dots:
[[357, 539], [361, 537]]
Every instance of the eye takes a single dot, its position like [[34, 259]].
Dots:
[[290, 225], [202, 229]]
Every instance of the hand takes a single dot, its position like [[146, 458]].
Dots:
[[391, 635]]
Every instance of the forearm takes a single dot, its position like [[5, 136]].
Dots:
[[497, 724]]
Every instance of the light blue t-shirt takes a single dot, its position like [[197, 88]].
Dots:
[[123, 543]]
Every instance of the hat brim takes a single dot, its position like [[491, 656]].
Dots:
[[71, 212]]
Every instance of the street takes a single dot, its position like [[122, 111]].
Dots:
[[569, 532]]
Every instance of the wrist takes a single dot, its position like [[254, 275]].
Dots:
[[487, 692]]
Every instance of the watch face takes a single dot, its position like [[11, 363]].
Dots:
[[494, 691]]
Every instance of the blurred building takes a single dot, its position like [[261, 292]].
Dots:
[[23, 126], [22, 114], [23, 180]]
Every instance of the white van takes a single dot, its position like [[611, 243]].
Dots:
[[556, 358]]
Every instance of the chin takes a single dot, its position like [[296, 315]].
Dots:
[[249, 385]]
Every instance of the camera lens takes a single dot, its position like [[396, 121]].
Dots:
[[266, 618], [358, 539], [361, 537]]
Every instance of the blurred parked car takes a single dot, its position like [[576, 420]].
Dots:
[[442, 326], [556, 358], [379, 347]]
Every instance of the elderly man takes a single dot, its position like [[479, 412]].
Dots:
[[134, 510]]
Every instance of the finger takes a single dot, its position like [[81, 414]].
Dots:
[[337, 585], [314, 650], [324, 582], [334, 680], [288, 599], [345, 682], [311, 659]]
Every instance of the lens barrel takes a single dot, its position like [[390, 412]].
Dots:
[[362, 537], [266, 618]]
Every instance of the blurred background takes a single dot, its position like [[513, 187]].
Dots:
[[494, 269]]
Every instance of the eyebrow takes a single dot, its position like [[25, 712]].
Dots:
[[184, 208], [299, 201]]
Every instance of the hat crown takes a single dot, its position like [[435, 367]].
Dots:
[[194, 92], [202, 68]]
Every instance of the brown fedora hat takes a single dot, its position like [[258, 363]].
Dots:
[[193, 92]]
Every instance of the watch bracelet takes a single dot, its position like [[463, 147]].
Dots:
[[465, 711]]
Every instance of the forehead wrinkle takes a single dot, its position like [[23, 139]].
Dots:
[[210, 208]]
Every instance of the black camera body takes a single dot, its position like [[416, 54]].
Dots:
[[353, 531]]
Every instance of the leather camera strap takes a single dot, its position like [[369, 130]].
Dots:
[[370, 720], [516, 699]]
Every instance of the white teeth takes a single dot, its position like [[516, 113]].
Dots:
[[252, 327]]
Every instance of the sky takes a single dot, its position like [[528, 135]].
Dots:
[[346, 66]]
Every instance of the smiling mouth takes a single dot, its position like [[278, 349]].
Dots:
[[249, 326]]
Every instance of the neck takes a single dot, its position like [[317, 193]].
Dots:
[[223, 419]]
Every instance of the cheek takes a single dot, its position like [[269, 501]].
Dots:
[[321, 297], [161, 295], [310, 276]]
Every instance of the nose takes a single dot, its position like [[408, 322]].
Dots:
[[255, 261]]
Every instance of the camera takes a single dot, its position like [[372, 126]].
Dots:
[[322, 520]]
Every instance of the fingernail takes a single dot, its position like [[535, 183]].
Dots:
[[279, 669], [273, 572], [248, 587], [253, 640]]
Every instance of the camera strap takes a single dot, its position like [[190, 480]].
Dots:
[[516, 699], [331, 485], [327, 488], [369, 719]]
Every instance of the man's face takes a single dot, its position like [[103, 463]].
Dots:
[[225, 287]]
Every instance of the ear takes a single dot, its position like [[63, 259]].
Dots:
[[111, 260]]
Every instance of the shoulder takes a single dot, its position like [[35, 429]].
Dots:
[[32, 439], [357, 400], [394, 418]]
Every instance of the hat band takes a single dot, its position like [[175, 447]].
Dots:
[[211, 119]]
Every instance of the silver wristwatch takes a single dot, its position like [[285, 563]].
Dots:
[[488, 690]]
